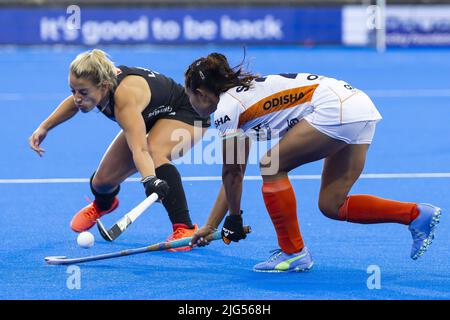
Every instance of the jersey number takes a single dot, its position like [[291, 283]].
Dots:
[[242, 88], [289, 76], [284, 75], [349, 87]]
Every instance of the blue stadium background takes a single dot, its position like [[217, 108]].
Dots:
[[409, 160]]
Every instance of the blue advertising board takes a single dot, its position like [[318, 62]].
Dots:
[[405, 25], [170, 25], [418, 25]]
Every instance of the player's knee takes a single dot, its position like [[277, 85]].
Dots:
[[329, 209], [159, 158], [268, 167], [100, 183]]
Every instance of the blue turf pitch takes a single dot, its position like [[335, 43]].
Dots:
[[412, 91]]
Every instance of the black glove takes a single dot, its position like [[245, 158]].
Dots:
[[154, 185], [233, 229]]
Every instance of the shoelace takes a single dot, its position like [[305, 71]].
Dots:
[[274, 254], [418, 234], [92, 213], [178, 232]]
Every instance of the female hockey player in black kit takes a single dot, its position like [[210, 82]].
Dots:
[[148, 107]]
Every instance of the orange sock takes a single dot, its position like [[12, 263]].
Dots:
[[279, 198], [370, 209]]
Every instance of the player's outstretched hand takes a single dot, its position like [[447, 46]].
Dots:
[[36, 139], [199, 238]]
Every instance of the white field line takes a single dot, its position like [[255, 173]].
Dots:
[[248, 178]]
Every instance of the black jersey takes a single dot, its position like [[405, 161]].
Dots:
[[168, 99]]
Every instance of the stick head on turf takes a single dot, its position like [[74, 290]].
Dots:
[[103, 232], [54, 259]]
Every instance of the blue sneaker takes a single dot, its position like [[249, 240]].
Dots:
[[283, 262], [422, 228]]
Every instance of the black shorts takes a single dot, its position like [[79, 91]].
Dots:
[[184, 113]]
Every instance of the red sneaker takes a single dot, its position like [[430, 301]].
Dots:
[[180, 231], [86, 217]]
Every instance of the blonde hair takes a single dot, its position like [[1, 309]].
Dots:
[[95, 66]]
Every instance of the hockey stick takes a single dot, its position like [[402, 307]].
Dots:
[[57, 260], [121, 225]]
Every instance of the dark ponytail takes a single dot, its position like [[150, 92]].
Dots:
[[215, 74]]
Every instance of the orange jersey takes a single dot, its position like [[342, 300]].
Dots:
[[275, 103]]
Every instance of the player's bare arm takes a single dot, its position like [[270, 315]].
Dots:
[[128, 115], [220, 207], [235, 152], [62, 113], [234, 159]]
